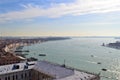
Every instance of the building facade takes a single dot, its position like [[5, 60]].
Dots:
[[42, 70]]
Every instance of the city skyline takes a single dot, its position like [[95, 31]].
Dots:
[[60, 17]]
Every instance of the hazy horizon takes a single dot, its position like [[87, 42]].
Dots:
[[66, 36]]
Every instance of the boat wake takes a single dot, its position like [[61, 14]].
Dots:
[[113, 71], [91, 62]]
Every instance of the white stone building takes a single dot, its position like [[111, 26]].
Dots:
[[43, 70]]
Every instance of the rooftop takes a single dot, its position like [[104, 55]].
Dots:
[[56, 71], [62, 73], [53, 70], [11, 68], [78, 76]]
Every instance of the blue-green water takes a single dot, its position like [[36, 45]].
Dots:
[[77, 53]]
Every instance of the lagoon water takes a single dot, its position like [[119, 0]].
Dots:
[[77, 53]]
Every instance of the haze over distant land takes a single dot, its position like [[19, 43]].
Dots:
[[60, 17]]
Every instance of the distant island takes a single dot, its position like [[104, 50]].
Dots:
[[55, 38], [115, 45]]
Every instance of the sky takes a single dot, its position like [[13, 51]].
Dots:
[[60, 17]]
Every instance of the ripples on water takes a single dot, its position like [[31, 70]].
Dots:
[[77, 53]]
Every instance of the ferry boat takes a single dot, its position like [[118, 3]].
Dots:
[[22, 51], [42, 54]]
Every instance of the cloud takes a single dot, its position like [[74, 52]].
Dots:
[[79, 7]]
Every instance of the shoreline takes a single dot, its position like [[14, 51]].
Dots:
[[15, 47]]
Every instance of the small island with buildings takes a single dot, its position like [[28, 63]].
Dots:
[[15, 66], [115, 45]]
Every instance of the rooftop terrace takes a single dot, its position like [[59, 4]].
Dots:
[[63, 73], [78, 76], [56, 71], [53, 70]]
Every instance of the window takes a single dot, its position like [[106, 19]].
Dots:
[[29, 74], [25, 75], [16, 77], [8, 77], [43, 77], [13, 77], [5, 78], [21, 76]]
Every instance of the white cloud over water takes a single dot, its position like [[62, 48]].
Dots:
[[79, 7]]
